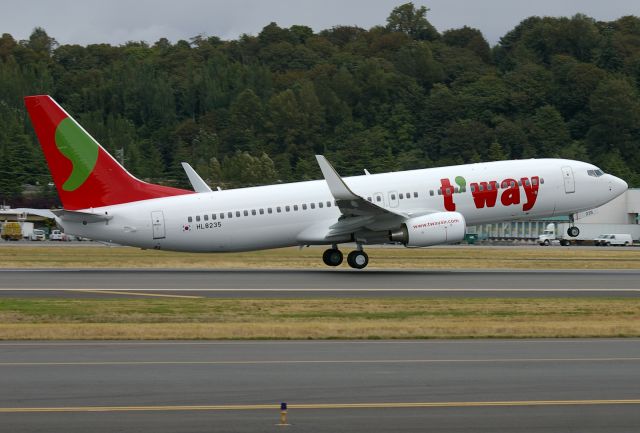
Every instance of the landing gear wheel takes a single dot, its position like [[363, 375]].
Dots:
[[358, 259], [573, 231], [332, 257]]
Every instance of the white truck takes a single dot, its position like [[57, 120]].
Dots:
[[557, 234], [38, 235]]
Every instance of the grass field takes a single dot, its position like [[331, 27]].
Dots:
[[44, 319], [152, 318], [475, 257]]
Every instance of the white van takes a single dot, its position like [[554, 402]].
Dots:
[[613, 239]]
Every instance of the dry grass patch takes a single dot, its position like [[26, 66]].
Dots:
[[318, 319], [476, 257]]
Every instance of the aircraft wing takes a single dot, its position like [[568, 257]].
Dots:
[[350, 204]]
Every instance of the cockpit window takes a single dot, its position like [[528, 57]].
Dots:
[[595, 173]]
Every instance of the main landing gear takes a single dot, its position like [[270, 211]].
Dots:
[[357, 259]]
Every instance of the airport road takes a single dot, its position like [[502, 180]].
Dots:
[[317, 283], [351, 386]]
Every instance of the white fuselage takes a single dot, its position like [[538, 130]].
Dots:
[[562, 187]]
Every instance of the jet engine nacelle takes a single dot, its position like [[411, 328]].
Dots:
[[432, 229]]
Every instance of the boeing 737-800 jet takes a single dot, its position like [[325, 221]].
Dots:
[[416, 208]]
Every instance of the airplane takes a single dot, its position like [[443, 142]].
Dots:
[[417, 208]]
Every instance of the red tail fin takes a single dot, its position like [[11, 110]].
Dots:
[[85, 175]]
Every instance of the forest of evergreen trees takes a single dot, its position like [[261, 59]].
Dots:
[[397, 96]]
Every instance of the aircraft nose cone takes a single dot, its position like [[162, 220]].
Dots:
[[617, 185]]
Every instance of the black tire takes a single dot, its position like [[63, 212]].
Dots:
[[358, 259], [574, 231], [565, 243], [546, 242], [332, 257]]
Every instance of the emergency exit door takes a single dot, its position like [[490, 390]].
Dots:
[[569, 181], [157, 222]]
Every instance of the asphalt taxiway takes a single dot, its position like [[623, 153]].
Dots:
[[356, 386], [317, 283]]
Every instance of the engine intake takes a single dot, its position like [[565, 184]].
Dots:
[[432, 229]]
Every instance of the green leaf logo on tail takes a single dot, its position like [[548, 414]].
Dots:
[[81, 150]]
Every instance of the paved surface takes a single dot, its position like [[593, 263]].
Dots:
[[439, 386], [317, 283]]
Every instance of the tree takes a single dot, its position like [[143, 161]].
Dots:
[[548, 131], [469, 38], [407, 19], [615, 120]]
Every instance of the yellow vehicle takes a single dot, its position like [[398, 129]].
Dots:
[[11, 231]]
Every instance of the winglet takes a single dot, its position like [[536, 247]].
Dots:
[[197, 183], [338, 188]]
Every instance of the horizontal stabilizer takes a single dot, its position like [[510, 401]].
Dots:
[[75, 216]]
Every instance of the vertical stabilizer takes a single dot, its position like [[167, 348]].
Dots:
[[85, 175]]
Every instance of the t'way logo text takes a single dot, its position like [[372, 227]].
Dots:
[[485, 194]]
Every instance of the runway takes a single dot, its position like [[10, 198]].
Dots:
[[355, 386], [73, 283]]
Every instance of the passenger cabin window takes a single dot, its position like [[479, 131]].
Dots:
[[278, 209], [287, 208], [320, 204], [221, 215], [261, 211], [328, 204], [401, 196], [313, 205], [206, 217], [246, 213], [213, 216], [253, 212], [378, 198], [190, 219], [295, 207], [230, 214], [304, 206], [415, 194], [197, 217], [393, 196], [238, 213], [269, 210], [431, 192]]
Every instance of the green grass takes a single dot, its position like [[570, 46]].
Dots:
[[317, 319], [476, 257]]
